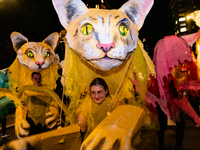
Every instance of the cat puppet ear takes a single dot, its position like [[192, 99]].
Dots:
[[69, 10], [52, 40], [137, 10], [18, 40], [191, 38]]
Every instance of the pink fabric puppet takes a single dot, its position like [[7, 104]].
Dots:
[[174, 64], [169, 53]]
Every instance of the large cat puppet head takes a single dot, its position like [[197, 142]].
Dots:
[[35, 55], [104, 38]]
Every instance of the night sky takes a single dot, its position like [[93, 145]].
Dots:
[[36, 19]]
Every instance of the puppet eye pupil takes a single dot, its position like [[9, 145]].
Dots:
[[47, 54], [123, 29], [30, 54], [87, 29]]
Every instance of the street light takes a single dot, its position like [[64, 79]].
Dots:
[[188, 17]]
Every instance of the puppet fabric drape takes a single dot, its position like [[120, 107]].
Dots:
[[78, 73]]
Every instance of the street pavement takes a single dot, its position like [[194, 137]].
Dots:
[[148, 137]]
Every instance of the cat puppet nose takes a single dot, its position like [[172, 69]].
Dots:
[[39, 63], [106, 47]]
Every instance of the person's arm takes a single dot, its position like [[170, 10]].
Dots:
[[82, 121]]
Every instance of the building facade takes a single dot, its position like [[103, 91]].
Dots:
[[181, 10]]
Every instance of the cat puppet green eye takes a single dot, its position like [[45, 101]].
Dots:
[[30, 54], [87, 29], [47, 54], [123, 29]]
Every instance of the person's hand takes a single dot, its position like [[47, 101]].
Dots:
[[119, 103], [22, 127], [52, 117], [82, 121]]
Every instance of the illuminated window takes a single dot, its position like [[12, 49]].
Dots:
[[183, 29], [182, 24], [181, 19], [180, 15], [102, 1], [176, 22]]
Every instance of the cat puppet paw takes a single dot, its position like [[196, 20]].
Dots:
[[117, 130], [52, 116], [22, 127]]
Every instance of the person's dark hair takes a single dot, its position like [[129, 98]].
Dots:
[[100, 81], [35, 73]]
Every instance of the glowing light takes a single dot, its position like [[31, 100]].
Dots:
[[182, 24], [188, 17], [183, 29], [182, 19], [102, 1], [96, 6]]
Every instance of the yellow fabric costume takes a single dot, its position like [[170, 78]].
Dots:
[[38, 106], [21, 76], [94, 112], [78, 74]]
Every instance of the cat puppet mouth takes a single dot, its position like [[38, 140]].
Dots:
[[106, 58], [106, 63], [106, 48]]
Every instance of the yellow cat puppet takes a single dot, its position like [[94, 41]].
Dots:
[[33, 57]]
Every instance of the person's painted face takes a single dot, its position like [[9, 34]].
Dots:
[[36, 79], [98, 93]]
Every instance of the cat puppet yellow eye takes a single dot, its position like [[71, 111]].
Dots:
[[87, 29], [47, 54], [30, 54], [123, 30]]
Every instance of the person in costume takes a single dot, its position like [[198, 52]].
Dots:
[[107, 47], [5, 105], [41, 58], [94, 107], [39, 108], [111, 51], [171, 55]]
